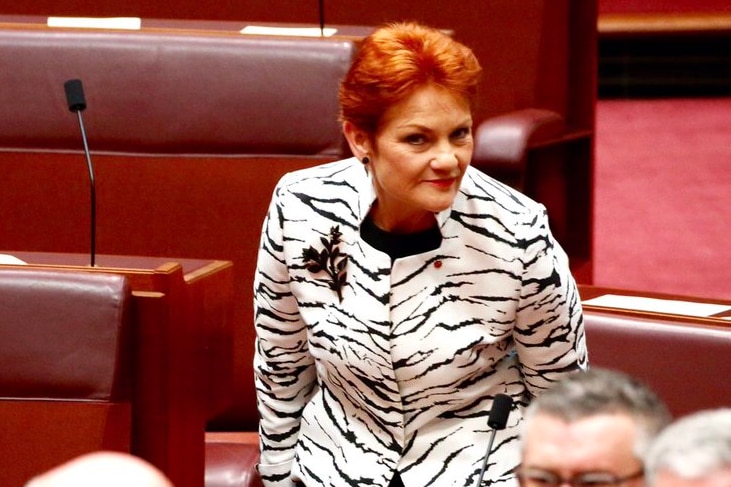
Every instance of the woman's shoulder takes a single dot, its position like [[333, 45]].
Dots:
[[341, 170], [481, 188], [487, 203]]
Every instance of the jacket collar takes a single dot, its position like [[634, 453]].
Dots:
[[367, 195]]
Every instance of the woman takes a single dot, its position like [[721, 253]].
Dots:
[[398, 291]]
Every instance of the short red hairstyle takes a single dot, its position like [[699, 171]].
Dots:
[[394, 61]]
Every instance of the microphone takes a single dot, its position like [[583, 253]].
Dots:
[[497, 420], [77, 103], [321, 5]]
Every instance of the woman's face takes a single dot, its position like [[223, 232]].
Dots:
[[419, 154]]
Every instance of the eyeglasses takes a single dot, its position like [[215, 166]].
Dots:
[[530, 477]]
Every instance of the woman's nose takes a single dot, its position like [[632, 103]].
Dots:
[[445, 160]]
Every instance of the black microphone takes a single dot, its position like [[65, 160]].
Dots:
[[497, 420], [77, 103], [321, 5]]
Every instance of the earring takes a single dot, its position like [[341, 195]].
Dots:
[[365, 160]]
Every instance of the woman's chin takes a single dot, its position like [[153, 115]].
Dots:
[[438, 205]]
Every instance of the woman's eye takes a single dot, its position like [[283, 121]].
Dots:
[[461, 133], [415, 139]]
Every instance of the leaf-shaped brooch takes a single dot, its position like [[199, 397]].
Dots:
[[329, 260]]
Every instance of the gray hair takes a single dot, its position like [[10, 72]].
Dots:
[[694, 446], [597, 391]]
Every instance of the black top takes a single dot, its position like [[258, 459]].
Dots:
[[400, 244]]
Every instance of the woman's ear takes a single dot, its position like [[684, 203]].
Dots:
[[358, 140]]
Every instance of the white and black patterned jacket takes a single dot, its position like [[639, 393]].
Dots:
[[365, 366]]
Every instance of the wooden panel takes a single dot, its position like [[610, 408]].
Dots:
[[173, 397], [37, 435], [203, 208]]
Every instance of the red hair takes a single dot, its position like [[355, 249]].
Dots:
[[397, 59]]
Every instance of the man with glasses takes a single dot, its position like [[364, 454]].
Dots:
[[592, 429], [694, 451]]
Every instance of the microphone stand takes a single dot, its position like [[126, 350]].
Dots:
[[485, 458], [77, 103], [497, 420], [92, 188], [321, 4]]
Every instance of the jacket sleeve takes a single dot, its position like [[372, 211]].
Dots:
[[549, 331], [284, 373]]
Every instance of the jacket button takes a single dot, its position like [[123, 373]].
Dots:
[[437, 264]]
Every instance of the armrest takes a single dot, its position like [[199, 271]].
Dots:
[[502, 142], [231, 460]]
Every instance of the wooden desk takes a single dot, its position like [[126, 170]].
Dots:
[[203, 27], [182, 313], [720, 318]]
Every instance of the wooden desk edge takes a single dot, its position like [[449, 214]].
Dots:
[[587, 292], [658, 23]]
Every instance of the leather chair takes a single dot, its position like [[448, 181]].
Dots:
[[231, 459], [685, 362], [503, 143], [65, 373]]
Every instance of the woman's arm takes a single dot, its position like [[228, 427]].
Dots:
[[549, 332], [284, 373]]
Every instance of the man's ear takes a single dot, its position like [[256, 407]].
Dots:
[[358, 140]]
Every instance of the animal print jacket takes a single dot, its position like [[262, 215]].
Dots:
[[365, 366]]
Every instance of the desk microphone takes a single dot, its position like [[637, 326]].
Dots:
[[321, 8], [77, 103], [497, 420]]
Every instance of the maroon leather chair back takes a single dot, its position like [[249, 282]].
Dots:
[[65, 368], [686, 363], [172, 93]]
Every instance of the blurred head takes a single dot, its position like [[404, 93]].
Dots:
[[406, 107], [593, 427], [694, 451], [110, 469]]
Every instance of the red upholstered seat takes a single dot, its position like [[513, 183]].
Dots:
[[231, 459], [686, 363], [65, 373]]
